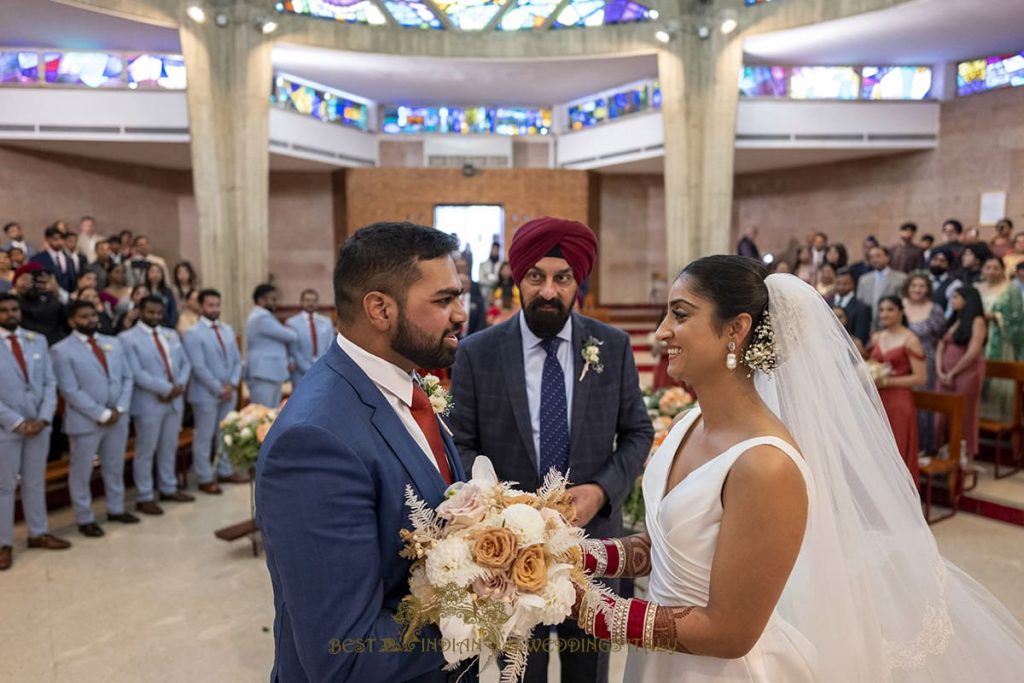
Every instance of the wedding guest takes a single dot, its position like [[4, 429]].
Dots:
[[899, 348], [105, 321], [836, 255], [906, 256], [190, 313], [972, 235], [505, 303], [95, 381], [972, 258], [1003, 228], [805, 269], [117, 289], [27, 405], [952, 233], [157, 284], [819, 248], [6, 272], [594, 420], [1015, 255], [41, 309], [143, 251], [1000, 247], [87, 280], [826, 281], [102, 263], [864, 266], [747, 246], [927, 243], [130, 315], [781, 267], [845, 322], [78, 260], [942, 279], [1004, 312], [858, 315], [56, 259], [17, 255], [488, 274], [16, 239], [315, 333], [89, 239], [472, 301], [269, 345], [1018, 277], [882, 282], [927, 321], [185, 281], [161, 372], [960, 364], [213, 392]]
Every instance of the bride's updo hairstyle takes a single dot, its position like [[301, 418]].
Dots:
[[735, 285]]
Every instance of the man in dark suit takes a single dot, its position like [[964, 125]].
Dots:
[[472, 300], [331, 476], [55, 259], [858, 314], [526, 395]]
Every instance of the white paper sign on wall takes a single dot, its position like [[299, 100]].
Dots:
[[993, 207]]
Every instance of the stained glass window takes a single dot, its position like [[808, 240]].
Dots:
[[656, 95], [824, 83], [499, 120], [92, 69], [510, 121], [412, 14], [470, 15], [1001, 71], [895, 82], [601, 12], [630, 100], [19, 67], [320, 103], [527, 14], [156, 71], [751, 3], [352, 11], [763, 81]]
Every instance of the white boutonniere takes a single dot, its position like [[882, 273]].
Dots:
[[440, 400], [591, 353], [30, 336], [36, 356], [108, 348]]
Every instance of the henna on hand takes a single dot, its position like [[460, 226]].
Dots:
[[666, 632], [638, 555]]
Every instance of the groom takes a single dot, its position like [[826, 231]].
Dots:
[[332, 474]]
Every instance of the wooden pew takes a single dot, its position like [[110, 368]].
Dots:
[[1014, 427], [951, 405]]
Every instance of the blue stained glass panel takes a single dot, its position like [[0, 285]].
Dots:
[[351, 11], [19, 67], [527, 15], [92, 69], [412, 14], [319, 103], [466, 120], [166, 72], [763, 81], [470, 15], [991, 73], [824, 83], [896, 82]]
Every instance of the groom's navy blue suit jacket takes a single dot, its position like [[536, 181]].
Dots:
[[330, 500]]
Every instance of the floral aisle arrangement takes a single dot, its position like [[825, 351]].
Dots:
[[242, 432], [663, 406], [490, 564]]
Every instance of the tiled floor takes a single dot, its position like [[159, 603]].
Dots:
[[166, 601]]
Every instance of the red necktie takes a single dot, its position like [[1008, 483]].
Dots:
[[20, 357], [98, 352], [223, 349], [312, 334], [163, 357], [423, 413]]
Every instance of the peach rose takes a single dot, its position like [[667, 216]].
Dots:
[[464, 509], [494, 586], [262, 431], [530, 571], [495, 548]]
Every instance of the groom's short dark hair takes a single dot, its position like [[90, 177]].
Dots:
[[384, 257]]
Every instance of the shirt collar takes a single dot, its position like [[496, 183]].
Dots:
[[146, 328], [5, 333], [530, 340], [206, 321], [384, 374], [82, 337]]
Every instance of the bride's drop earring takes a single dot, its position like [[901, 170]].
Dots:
[[730, 360]]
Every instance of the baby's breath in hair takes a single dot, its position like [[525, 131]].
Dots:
[[760, 353]]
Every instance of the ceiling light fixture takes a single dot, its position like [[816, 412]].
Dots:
[[654, 14], [221, 19], [196, 14], [662, 36], [266, 26], [729, 22], [703, 32]]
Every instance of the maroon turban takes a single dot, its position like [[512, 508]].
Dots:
[[547, 236], [30, 267]]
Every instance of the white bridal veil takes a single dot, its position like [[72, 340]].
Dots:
[[870, 589]]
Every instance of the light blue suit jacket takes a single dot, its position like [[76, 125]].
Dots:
[[268, 346], [211, 370], [302, 351], [38, 399], [148, 368], [88, 391]]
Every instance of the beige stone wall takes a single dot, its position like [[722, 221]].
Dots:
[[981, 149], [632, 236], [302, 249]]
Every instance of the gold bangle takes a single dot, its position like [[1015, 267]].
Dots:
[[622, 558], [649, 615], [620, 621]]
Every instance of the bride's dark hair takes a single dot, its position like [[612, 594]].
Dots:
[[735, 284]]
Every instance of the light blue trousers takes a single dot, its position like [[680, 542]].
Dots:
[[156, 435], [27, 457], [207, 437], [109, 443]]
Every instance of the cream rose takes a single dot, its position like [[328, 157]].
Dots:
[[530, 571], [525, 522], [464, 509], [495, 548], [438, 403]]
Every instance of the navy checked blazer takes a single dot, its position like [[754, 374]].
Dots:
[[610, 434]]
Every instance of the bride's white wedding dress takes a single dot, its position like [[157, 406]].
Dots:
[[870, 598], [683, 525]]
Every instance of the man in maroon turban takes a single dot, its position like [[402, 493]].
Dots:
[[553, 389]]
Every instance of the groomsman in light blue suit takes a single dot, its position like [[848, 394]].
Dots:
[[28, 399], [161, 371], [268, 346], [96, 382], [216, 372], [316, 332]]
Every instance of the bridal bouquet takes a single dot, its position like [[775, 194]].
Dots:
[[244, 430], [490, 564], [878, 370]]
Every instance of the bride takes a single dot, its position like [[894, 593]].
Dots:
[[785, 541]]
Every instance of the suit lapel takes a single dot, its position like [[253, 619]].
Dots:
[[454, 461], [580, 390], [389, 426], [515, 380]]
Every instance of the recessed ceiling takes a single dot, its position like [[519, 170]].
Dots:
[[915, 33], [42, 23], [464, 82]]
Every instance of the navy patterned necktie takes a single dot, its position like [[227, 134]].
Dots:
[[554, 414]]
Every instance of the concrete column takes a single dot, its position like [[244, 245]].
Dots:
[[700, 93], [229, 80]]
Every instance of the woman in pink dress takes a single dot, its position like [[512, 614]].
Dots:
[[899, 348], [960, 363]]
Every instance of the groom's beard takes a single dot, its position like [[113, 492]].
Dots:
[[546, 324], [419, 347]]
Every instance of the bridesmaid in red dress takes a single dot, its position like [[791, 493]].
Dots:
[[960, 364], [896, 345]]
